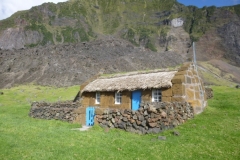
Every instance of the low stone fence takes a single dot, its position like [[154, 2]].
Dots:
[[60, 110], [209, 93], [152, 117]]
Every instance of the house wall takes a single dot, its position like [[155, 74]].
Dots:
[[126, 100], [88, 99], [188, 87], [146, 95], [166, 95], [107, 100]]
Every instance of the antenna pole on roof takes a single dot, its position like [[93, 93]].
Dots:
[[194, 56]]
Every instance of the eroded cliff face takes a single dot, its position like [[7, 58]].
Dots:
[[18, 38], [72, 64], [210, 46], [178, 40], [230, 34], [221, 44]]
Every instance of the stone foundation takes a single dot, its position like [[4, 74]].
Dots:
[[152, 117], [209, 93]]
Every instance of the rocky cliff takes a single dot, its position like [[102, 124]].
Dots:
[[72, 64], [18, 38]]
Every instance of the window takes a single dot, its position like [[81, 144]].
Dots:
[[118, 98], [97, 101], [156, 95]]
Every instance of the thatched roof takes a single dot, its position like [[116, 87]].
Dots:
[[131, 82]]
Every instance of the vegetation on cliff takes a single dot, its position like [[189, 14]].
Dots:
[[142, 23]]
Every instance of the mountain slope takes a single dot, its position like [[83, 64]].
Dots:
[[165, 27], [144, 23], [66, 65]]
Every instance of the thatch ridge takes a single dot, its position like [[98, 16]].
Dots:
[[104, 76], [131, 81]]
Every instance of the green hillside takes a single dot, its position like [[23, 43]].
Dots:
[[141, 22]]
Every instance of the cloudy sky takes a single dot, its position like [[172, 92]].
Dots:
[[8, 7]]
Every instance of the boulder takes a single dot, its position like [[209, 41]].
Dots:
[[176, 133], [163, 138], [177, 22], [163, 114], [140, 117], [122, 125], [152, 109]]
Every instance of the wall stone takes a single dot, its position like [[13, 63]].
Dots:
[[167, 92], [166, 99], [64, 111], [151, 117]]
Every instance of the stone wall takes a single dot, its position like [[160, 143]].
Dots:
[[64, 111], [188, 87], [152, 117], [209, 93]]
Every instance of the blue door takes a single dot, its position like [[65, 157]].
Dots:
[[90, 116], [136, 100]]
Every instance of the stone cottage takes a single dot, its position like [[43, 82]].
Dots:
[[127, 91]]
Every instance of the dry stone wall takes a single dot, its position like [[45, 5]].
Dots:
[[64, 111], [152, 117], [209, 93]]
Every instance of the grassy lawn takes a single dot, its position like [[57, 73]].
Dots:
[[214, 134]]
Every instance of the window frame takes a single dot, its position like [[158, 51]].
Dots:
[[118, 97], [97, 98], [156, 95]]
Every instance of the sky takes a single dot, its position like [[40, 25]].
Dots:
[[8, 7], [202, 3]]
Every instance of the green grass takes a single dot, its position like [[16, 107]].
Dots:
[[214, 134]]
